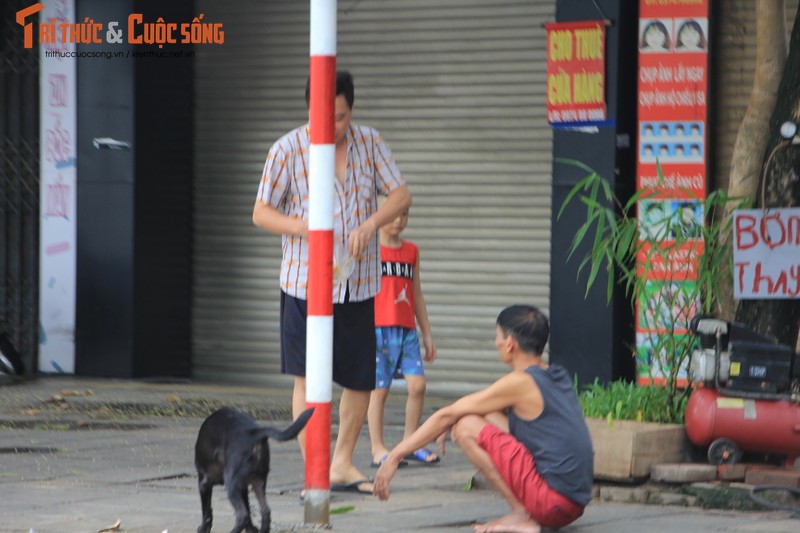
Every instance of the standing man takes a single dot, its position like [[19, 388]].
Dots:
[[365, 168], [525, 433]]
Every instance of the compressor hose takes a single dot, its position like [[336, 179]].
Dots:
[[772, 505]]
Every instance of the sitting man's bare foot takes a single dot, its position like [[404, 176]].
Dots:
[[514, 522]]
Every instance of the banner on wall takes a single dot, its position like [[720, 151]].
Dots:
[[576, 72], [671, 168], [57, 231], [766, 253]]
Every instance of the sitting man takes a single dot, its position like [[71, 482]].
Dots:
[[525, 433]]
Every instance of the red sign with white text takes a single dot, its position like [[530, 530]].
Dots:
[[672, 263], [672, 8]]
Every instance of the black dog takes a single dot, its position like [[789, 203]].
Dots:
[[232, 450]]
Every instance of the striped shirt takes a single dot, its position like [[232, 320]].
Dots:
[[370, 170]]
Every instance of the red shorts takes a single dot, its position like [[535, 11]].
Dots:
[[517, 467]]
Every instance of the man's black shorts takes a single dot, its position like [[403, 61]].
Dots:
[[353, 341]]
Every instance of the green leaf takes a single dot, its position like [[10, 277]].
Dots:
[[470, 484], [343, 509], [576, 189]]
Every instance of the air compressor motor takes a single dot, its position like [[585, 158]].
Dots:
[[732, 357]]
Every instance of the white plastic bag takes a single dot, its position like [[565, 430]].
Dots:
[[343, 264]]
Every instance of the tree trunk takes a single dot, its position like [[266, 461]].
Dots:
[[751, 141], [780, 319]]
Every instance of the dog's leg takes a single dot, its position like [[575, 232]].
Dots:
[[260, 490], [205, 487], [237, 494]]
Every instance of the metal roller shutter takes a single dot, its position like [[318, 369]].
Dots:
[[457, 88]]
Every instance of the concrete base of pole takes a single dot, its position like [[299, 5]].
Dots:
[[317, 506]]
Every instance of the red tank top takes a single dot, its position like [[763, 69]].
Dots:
[[394, 304]]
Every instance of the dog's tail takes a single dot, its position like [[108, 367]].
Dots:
[[290, 432]]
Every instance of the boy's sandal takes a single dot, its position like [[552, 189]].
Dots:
[[423, 455]]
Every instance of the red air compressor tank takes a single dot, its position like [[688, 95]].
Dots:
[[754, 425]]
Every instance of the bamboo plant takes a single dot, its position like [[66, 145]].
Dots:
[[618, 244]]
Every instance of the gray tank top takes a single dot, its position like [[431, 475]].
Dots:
[[558, 438]]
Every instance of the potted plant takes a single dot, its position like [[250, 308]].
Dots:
[[631, 428]]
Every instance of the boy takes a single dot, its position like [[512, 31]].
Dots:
[[399, 307]]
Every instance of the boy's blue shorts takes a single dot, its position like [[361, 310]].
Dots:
[[397, 354]]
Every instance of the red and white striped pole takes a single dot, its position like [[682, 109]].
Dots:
[[319, 332]]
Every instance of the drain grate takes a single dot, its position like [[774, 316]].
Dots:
[[183, 408], [168, 477], [71, 425], [187, 408], [26, 449]]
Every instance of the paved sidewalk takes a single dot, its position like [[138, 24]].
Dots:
[[77, 454]]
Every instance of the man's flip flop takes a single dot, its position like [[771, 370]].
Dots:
[[423, 456], [377, 464], [351, 487]]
